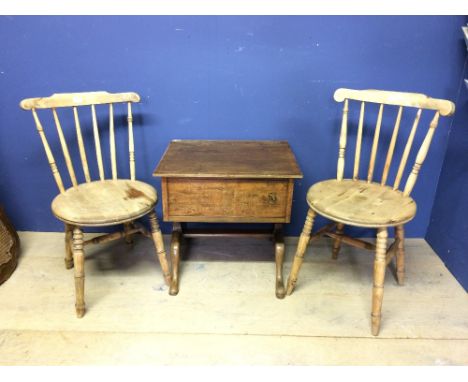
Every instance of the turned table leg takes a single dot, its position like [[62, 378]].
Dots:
[[175, 258], [279, 259]]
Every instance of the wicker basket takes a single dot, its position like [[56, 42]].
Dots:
[[9, 247]]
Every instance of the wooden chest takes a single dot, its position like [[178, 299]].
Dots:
[[228, 181]]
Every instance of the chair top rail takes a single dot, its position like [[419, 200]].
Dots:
[[78, 99], [418, 100]]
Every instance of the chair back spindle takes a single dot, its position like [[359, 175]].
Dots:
[[391, 147], [357, 154], [112, 141], [97, 143], [79, 138], [75, 100], [375, 144], [66, 153], [402, 100]]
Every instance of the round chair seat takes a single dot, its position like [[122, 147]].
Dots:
[[362, 204], [104, 202]]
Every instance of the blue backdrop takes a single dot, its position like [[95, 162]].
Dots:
[[448, 229], [219, 78]]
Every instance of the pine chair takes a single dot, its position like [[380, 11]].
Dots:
[[366, 203], [103, 202]]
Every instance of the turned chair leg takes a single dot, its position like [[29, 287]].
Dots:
[[68, 246], [78, 259], [175, 258], [337, 241], [400, 254], [379, 278], [300, 250], [128, 236], [159, 245]]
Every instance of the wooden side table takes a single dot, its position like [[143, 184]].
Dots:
[[227, 182]]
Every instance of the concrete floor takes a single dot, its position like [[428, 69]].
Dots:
[[226, 311]]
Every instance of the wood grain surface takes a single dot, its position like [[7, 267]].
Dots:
[[228, 159], [104, 202], [359, 203], [227, 200]]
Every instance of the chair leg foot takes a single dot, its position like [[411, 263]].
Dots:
[[80, 311], [401, 278], [375, 324], [300, 250], [78, 256], [379, 278], [291, 285], [68, 264], [174, 288]]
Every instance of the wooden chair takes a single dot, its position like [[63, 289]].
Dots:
[[103, 202], [366, 203]]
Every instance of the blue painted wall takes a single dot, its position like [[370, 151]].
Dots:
[[448, 228], [218, 78]]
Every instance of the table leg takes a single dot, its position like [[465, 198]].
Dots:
[[279, 259], [175, 258]]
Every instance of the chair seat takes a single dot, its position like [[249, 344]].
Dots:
[[104, 202], [361, 204]]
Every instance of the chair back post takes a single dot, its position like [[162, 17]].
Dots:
[[404, 157], [421, 156], [75, 100], [343, 136], [131, 145], [401, 99], [48, 151]]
